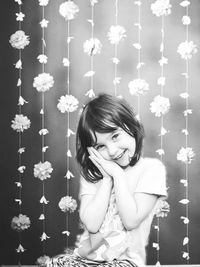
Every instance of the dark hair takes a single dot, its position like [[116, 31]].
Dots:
[[104, 114]]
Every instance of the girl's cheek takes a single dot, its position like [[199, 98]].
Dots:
[[104, 154]]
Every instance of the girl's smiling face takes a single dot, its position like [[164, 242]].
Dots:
[[117, 146]]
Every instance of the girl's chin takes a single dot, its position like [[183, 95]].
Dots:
[[124, 161]]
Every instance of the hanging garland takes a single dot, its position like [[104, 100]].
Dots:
[[19, 40], [138, 86], [186, 154], [43, 83], [68, 103], [92, 47], [116, 34], [160, 106]]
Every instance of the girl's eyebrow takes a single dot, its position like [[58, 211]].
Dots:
[[110, 134]]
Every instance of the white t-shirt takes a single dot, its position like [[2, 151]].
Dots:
[[113, 241]]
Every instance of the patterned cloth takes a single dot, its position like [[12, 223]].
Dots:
[[66, 260]]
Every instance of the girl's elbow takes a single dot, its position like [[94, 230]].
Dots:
[[90, 226], [133, 224]]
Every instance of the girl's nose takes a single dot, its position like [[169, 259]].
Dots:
[[112, 149]]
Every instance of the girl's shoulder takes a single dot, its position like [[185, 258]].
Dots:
[[152, 177], [150, 162]]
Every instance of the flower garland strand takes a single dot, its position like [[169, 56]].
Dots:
[[116, 34], [138, 86], [43, 82], [160, 105], [19, 40], [68, 103], [92, 47], [186, 154]]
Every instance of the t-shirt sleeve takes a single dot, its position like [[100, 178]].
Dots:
[[86, 188], [153, 178]]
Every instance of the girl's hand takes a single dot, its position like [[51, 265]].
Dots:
[[106, 167]]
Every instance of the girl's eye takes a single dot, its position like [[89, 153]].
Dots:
[[99, 147], [115, 136]]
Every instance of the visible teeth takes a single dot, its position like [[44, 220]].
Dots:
[[120, 155]]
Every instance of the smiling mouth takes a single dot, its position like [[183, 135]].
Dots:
[[120, 156]]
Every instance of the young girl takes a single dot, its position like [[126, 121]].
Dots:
[[120, 191]]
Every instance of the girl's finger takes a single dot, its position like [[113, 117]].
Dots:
[[98, 166], [96, 153]]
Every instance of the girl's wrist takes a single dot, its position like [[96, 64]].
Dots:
[[107, 180], [119, 174]]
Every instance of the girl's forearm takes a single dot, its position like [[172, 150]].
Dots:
[[126, 203], [93, 213]]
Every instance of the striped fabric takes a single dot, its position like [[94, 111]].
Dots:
[[66, 260]]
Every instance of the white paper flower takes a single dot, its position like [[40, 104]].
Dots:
[[163, 209], [20, 249], [186, 155], [43, 2], [116, 34], [43, 82], [44, 23], [186, 20], [92, 46], [68, 10], [20, 16], [20, 223], [44, 236], [160, 105], [19, 2], [43, 260], [67, 103], [161, 7], [93, 2], [43, 170], [67, 203], [138, 87], [185, 3], [66, 62], [19, 40], [187, 49], [20, 123], [42, 59]]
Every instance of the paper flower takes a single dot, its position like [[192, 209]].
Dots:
[[138, 87], [67, 203], [20, 16], [161, 7], [20, 123], [160, 105], [44, 23], [42, 261], [19, 2], [185, 3], [20, 249], [116, 34], [186, 20], [44, 236], [92, 46], [43, 2], [93, 2], [67, 103], [20, 223], [19, 40], [66, 62], [43, 82], [43, 170], [42, 59], [186, 155], [163, 209], [90, 93], [187, 49], [68, 10]]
